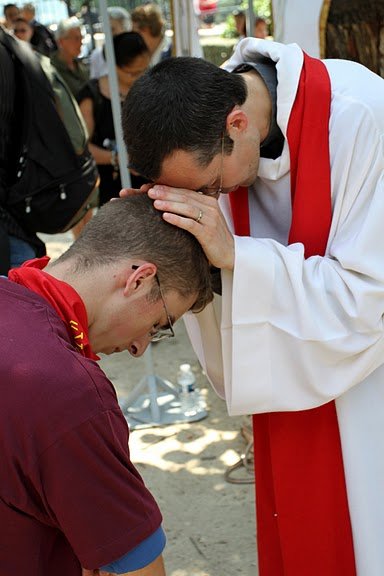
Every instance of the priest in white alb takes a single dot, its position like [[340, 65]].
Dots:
[[290, 207]]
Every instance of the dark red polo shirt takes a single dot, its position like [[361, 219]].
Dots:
[[69, 494]]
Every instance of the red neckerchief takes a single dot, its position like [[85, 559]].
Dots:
[[61, 296], [302, 507]]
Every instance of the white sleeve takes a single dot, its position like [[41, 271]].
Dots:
[[97, 64], [204, 333], [302, 332], [298, 333], [93, 63]]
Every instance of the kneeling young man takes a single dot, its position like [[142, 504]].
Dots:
[[69, 495]]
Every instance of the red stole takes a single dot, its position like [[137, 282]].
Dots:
[[303, 521], [61, 296]]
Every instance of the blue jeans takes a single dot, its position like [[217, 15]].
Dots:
[[20, 251]]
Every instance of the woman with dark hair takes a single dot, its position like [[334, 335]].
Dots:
[[132, 59]]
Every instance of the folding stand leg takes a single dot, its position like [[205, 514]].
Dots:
[[155, 402]]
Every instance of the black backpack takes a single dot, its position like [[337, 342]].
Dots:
[[53, 184]]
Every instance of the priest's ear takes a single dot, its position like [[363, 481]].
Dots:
[[237, 121]]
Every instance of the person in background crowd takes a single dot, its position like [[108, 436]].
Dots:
[[11, 12], [120, 21], [88, 15], [260, 27], [70, 497], [132, 59], [240, 23], [16, 243], [69, 40], [23, 30], [148, 21], [276, 164], [43, 40]]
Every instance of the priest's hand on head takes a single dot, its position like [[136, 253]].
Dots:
[[201, 216]]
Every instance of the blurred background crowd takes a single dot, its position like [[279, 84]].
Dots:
[[223, 18]]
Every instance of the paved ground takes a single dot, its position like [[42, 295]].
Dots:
[[209, 522]]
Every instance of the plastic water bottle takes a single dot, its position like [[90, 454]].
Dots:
[[187, 393]]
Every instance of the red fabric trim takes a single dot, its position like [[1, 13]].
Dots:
[[308, 141], [303, 521], [240, 211], [61, 296]]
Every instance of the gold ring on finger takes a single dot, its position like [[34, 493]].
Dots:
[[201, 214]]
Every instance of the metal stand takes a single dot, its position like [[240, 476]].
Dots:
[[156, 402]]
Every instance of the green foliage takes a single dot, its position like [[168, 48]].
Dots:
[[262, 8], [217, 50]]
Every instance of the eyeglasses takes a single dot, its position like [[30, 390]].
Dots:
[[211, 191], [161, 333]]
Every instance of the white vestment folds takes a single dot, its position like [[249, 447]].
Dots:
[[293, 334]]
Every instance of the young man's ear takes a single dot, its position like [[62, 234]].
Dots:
[[138, 277]]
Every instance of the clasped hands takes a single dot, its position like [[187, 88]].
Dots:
[[198, 214]]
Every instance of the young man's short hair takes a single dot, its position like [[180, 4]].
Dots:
[[132, 228]]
